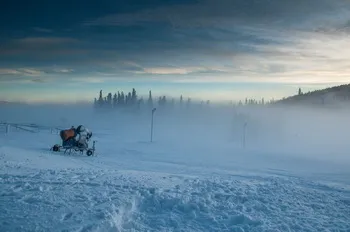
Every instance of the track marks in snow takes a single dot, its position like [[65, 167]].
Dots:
[[215, 205], [66, 216], [66, 199], [130, 200]]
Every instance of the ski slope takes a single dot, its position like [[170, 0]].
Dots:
[[195, 176]]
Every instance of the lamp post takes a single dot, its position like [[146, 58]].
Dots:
[[7, 128], [244, 133], [153, 110]]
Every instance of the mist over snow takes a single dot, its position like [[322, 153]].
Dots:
[[290, 173], [320, 133]]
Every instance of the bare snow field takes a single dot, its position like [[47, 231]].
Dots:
[[292, 175]]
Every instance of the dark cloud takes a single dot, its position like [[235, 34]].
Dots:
[[209, 13], [38, 80], [169, 37], [43, 30]]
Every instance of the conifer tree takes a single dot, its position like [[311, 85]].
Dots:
[[164, 101], [100, 99], [160, 101], [115, 100], [140, 102], [109, 99], [126, 100], [129, 100], [118, 98], [133, 97], [95, 103], [188, 102], [150, 100], [122, 98]]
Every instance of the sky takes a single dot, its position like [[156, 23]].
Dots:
[[203, 49]]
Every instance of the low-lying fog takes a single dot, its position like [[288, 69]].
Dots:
[[284, 130]]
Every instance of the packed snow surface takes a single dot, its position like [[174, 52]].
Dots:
[[292, 175]]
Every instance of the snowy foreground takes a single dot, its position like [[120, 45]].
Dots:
[[193, 177]]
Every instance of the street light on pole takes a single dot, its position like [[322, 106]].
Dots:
[[244, 133], [153, 110], [7, 128]]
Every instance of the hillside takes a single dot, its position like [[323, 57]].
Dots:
[[337, 95]]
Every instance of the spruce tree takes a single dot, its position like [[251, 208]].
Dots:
[[140, 103], [118, 99], [109, 99], [129, 101], [188, 102], [150, 100], [95, 103], [164, 101], [133, 96], [115, 100], [126, 100], [100, 99], [122, 98]]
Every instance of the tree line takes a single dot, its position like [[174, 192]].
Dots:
[[132, 100]]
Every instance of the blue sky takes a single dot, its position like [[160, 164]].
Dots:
[[205, 49]]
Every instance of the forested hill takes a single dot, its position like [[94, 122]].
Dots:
[[330, 96]]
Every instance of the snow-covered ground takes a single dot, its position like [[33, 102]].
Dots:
[[293, 174]]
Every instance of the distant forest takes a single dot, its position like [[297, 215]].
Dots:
[[323, 97], [132, 100], [329, 96]]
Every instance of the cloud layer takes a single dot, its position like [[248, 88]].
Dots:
[[272, 41]]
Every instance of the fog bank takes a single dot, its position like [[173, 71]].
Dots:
[[285, 131]]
